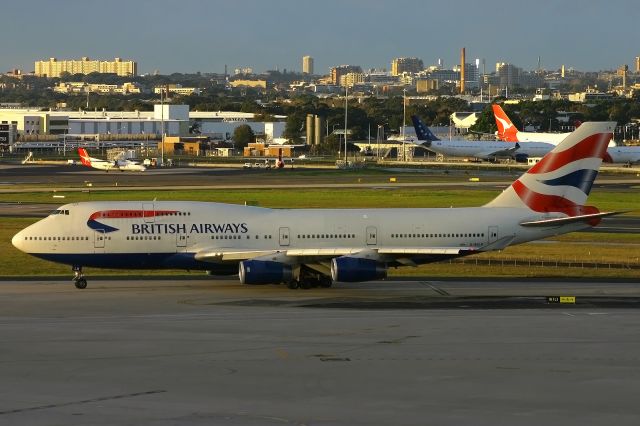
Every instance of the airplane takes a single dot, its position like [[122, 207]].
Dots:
[[485, 150], [507, 131], [118, 164], [279, 162], [306, 247]]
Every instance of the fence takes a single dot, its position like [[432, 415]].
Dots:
[[550, 263]]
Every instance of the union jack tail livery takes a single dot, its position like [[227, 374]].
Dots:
[[507, 131], [560, 183]]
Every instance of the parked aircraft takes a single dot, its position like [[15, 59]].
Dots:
[[484, 150], [279, 162], [507, 131], [305, 247], [118, 164]]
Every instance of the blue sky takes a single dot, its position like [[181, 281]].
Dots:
[[199, 35]]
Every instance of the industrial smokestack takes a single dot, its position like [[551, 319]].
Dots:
[[462, 62], [318, 124], [310, 131]]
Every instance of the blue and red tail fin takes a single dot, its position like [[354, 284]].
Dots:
[[422, 131], [562, 180]]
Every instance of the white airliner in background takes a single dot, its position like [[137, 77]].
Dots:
[[305, 247], [118, 164], [484, 150], [507, 131]]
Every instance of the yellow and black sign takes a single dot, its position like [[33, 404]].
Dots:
[[561, 299]]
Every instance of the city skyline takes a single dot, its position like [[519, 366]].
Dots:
[[198, 35]]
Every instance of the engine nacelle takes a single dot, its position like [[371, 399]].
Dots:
[[264, 272], [522, 158], [356, 269]]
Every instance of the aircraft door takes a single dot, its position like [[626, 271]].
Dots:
[[98, 238], [493, 234], [284, 236], [148, 212], [181, 240], [372, 235]]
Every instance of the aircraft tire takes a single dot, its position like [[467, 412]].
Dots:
[[326, 282], [81, 283], [293, 284], [306, 284]]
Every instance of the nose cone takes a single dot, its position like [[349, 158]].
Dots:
[[18, 240]]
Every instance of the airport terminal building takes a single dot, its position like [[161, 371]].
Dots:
[[33, 126]]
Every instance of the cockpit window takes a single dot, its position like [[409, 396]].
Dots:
[[59, 211]]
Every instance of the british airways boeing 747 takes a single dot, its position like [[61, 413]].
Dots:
[[303, 247]]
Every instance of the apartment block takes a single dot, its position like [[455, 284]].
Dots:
[[410, 65], [54, 67]]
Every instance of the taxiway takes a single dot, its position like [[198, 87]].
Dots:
[[196, 352]]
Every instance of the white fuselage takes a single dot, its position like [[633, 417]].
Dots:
[[122, 165], [552, 138], [171, 234], [489, 150], [624, 154]]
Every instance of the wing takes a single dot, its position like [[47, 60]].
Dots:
[[319, 258], [507, 152]]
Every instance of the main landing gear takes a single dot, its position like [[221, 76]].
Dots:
[[308, 280], [78, 277]]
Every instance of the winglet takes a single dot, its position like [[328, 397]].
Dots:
[[506, 129]]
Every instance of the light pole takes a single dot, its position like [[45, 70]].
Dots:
[[161, 126], [346, 104], [404, 120], [378, 137]]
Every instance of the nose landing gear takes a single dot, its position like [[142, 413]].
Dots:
[[78, 277]]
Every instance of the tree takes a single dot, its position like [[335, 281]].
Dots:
[[242, 136]]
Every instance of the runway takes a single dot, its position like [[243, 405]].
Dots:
[[195, 352], [70, 177]]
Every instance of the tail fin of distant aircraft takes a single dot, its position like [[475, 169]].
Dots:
[[562, 180], [279, 162], [84, 157], [422, 131], [507, 131]]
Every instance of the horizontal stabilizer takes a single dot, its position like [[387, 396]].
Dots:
[[558, 221]]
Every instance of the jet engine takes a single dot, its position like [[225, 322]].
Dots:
[[264, 272], [356, 269], [522, 158]]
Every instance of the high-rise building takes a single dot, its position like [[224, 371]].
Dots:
[[400, 65], [54, 67], [637, 67], [307, 65], [339, 71], [352, 78], [508, 74]]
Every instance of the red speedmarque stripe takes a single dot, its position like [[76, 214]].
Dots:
[[587, 148], [127, 214]]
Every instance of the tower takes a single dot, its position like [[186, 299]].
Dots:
[[307, 65], [462, 62]]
